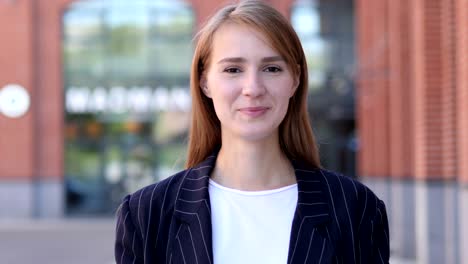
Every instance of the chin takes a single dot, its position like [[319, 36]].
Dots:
[[256, 134]]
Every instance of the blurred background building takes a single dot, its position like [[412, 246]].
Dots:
[[95, 103]]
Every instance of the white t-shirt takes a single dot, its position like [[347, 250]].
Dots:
[[251, 226]]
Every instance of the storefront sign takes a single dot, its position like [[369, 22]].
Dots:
[[122, 100]]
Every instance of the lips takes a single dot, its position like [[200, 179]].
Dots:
[[254, 111]]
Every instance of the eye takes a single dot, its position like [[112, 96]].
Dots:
[[273, 69], [232, 70]]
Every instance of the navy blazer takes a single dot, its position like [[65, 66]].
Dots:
[[337, 220]]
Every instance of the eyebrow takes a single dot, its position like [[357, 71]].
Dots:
[[240, 59]]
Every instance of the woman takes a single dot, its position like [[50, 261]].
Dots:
[[253, 190]]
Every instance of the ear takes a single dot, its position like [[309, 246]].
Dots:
[[297, 81], [204, 86]]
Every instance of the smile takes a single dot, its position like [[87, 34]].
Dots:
[[254, 111]]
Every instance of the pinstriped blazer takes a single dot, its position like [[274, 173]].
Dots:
[[337, 220]]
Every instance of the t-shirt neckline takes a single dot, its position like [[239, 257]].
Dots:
[[251, 193]]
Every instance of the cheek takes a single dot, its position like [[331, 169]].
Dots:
[[224, 92], [282, 89]]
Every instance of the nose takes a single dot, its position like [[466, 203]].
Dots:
[[253, 85]]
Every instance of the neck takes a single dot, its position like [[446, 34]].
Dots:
[[251, 166]]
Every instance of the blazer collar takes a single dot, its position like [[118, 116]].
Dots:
[[312, 200], [193, 192]]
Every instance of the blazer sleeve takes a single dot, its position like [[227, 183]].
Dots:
[[128, 241], [374, 237]]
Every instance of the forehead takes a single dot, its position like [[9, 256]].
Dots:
[[238, 40]]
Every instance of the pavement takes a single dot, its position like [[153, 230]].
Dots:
[[83, 241], [66, 241]]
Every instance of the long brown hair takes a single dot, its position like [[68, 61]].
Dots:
[[295, 134]]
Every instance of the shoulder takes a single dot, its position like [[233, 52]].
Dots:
[[338, 182], [157, 198], [350, 196]]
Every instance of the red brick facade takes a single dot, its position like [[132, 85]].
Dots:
[[412, 88], [16, 57], [461, 72]]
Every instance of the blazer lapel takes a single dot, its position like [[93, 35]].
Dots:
[[310, 241], [193, 242]]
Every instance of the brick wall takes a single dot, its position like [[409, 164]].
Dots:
[[373, 113], [411, 87], [461, 40], [16, 58]]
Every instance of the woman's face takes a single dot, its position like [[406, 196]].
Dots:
[[249, 82]]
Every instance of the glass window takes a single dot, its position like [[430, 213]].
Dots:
[[126, 74], [326, 30]]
